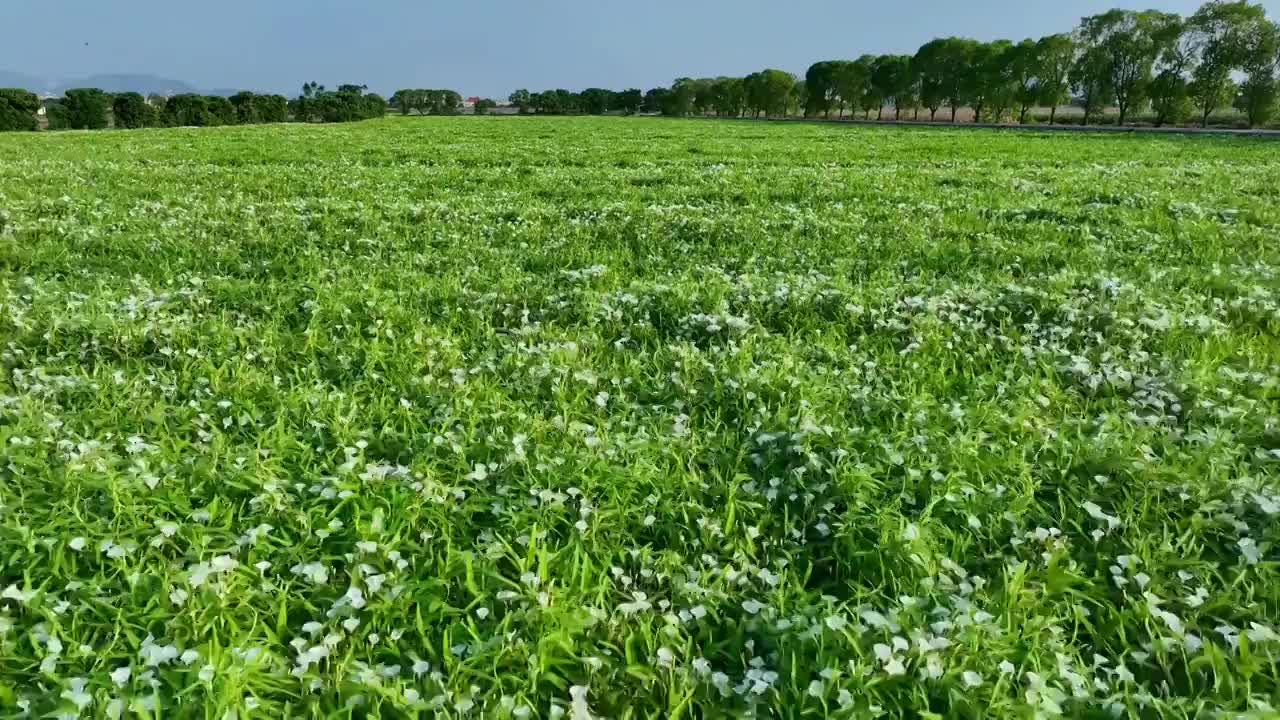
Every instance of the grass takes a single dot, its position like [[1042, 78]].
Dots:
[[520, 417]]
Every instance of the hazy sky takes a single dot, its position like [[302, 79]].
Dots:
[[490, 47]]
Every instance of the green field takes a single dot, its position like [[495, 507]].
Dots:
[[508, 417]]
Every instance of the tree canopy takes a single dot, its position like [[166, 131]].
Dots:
[[18, 109]]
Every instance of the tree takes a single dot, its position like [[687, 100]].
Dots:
[[86, 108], [628, 101], [655, 100], [1025, 69], [245, 107], [870, 98], [1219, 35], [483, 106], [446, 102], [1056, 54], [703, 95], [683, 93], [55, 114], [775, 89], [852, 79], [348, 103], [728, 96], [1261, 55], [220, 110], [596, 101], [130, 110], [797, 99], [405, 100], [929, 64], [1130, 41], [373, 105], [305, 107], [521, 99], [891, 78], [1091, 81], [186, 110], [953, 65], [18, 109], [1169, 97], [271, 108], [988, 78], [820, 83]]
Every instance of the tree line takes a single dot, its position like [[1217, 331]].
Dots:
[[94, 109], [1162, 64], [1154, 63]]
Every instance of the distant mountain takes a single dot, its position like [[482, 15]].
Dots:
[[118, 83], [24, 81], [108, 82]]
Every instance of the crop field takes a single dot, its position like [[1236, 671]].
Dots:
[[629, 418]]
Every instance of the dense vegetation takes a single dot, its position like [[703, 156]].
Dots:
[[1155, 67], [1164, 65], [619, 418]]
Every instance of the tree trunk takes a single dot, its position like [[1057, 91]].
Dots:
[[953, 113], [917, 113], [880, 114], [933, 114], [1053, 114], [1124, 110], [897, 113], [1204, 121], [1022, 116]]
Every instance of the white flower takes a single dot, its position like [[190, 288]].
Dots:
[[317, 573], [21, 596], [836, 622], [910, 532], [640, 602], [753, 607], [1249, 549], [1096, 513], [972, 679], [77, 695], [76, 543], [223, 563], [1006, 667], [874, 619], [120, 675]]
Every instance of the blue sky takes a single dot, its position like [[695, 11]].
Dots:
[[490, 47]]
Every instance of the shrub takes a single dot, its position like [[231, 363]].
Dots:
[[86, 108], [18, 109], [130, 110]]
